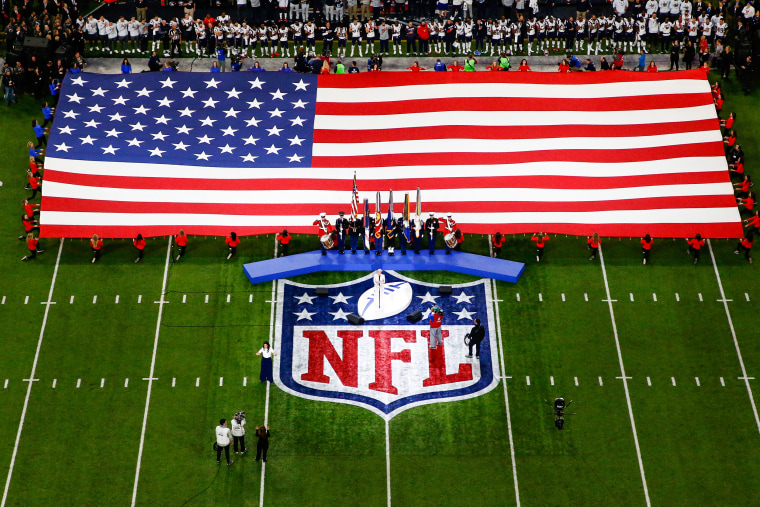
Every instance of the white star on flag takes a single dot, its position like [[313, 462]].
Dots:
[[229, 131], [181, 146], [278, 95], [248, 158], [253, 122], [257, 83], [167, 83], [159, 136], [138, 126], [117, 117], [296, 140], [212, 83], [250, 140], [112, 133], [340, 314], [156, 152], [464, 298], [144, 92], [109, 149], [233, 93], [78, 81], [463, 314], [123, 83], [295, 158], [254, 104], [304, 314], [300, 104], [297, 121], [75, 98], [340, 298], [188, 93], [99, 92], [162, 119], [231, 112], [305, 299], [186, 112], [164, 102], [63, 147], [88, 140], [92, 123], [202, 156], [427, 298], [66, 130], [141, 110], [210, 102], [135, 142], [70, 114], [208, 122], [273, 149], [301, 85], [226, 148], [276, 112], [205, 139], [184, 129], [121, 101], [274, 131], [96, 108]]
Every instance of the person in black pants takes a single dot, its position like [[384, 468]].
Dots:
[[355, 229], [341, 226], [477, 334], [223, 442], [262, 446]]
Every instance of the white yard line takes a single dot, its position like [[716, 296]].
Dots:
[[388, 462], [733, 334], [152, 370], [506, 395], [266, 402], [31, 375], [624, 379]]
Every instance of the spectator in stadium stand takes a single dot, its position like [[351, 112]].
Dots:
[[415, 67], [283, 241], [646, 246], [181, 241], [641, 66], [232, 243], [32, 245], [524, 67], [266, 352], [96, 244], [593, 245], [48, 113], [540, 239], [753, 221], [497, 242], [745, 245], [325, 69], [695, 246], [31, 209], [139, 244], [39, 131], [262, 446], [574, 63], [563, 66], [742, 188], [34, 184], [748, 202], [126, 67], [652, 67], [30, 225]]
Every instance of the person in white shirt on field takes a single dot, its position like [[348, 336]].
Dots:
[[238, 433], [266, 354], [223, 442]]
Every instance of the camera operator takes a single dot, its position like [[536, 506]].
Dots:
[[223, 442], [238, 432], [477, 334]]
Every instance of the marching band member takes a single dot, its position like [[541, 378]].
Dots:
[[341, 225], [378, 226], [449, 227], [431, 225], [323, 227]]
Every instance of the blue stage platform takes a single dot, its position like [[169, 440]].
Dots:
[[312, 262]]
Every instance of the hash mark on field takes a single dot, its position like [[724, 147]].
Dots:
[[677, 298], [673, 380], [649, 382], [206, 298], [79, 382], [3, 300], [654, 297], [250, 298], [174, 381], [221, 381], [184, 298], [117, 299], [576, 380], [527, 380], [71, 300], [722, 382], [26, 300], [197, 381], [245, 381], [551, 379], [126, 382], [585, 296], [540, 297], [600, 381], [631, 294], [102, 382], [697, 380], [563, 297], [518, 297], [746, 296], [139, 299], [55, 381], [700, 296], [6, 384], [228, 298], [94, 299]]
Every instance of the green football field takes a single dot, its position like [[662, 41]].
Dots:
[[114, 375]]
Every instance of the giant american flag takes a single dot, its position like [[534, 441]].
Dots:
[[618, 153]]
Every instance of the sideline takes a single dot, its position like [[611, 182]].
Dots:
[[273, 302]]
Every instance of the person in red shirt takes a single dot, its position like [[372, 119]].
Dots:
[[753, 221], [715, 89], [564, 66], [415, 67], [593, 245], [436, 335], [324, 227], [498, 242], [96, 244], [139, 244], [34, 184], [745, 245], [719, 104], [455, 67], [29, 224], [742, 188], [32, 245], [460, 239], [730, 138], [181, 241], [524, 67], [748, 202], [540, 239], [695, 246], [494, 67], [617, 61], [728, 123], [232, 242], [29, 209], [34, 168], [652, 67], [737, 168], [283, 239], [646, 246]]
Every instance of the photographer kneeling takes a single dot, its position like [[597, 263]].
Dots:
[[476, 335], [238, 432]]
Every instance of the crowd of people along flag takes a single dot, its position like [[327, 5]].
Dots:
[[618, 153]]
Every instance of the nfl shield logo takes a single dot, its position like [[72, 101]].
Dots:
[[387, 364]]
